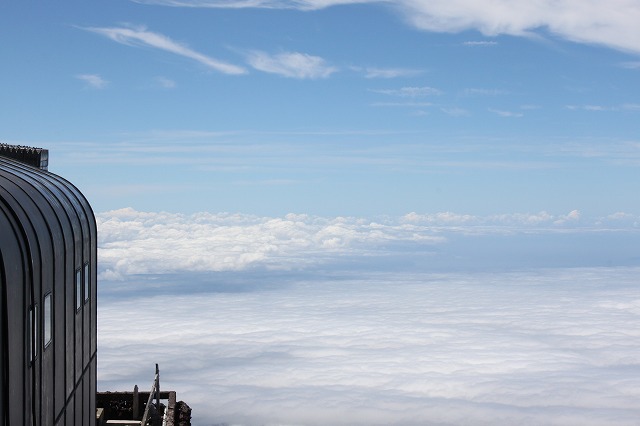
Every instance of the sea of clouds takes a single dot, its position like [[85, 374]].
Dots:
[[436, 319]]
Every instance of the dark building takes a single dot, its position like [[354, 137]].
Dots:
[[48, 315]]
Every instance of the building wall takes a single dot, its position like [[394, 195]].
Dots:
[[48, 256]]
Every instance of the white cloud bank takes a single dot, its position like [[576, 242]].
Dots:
[[132, 242], [613, 23], [548, 347]]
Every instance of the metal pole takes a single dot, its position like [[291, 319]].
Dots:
[[136, 403], [157, 388]]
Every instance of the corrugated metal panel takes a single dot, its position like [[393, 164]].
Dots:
[[48, 232]]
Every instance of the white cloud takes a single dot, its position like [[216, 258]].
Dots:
[[613, 24], [293, 319], [140, 36], [389, 72], [443, 218], [480, 43], [572, 216], [554, 347], [264, 4], [409, 92], [483, 92], [621, 216], [595, 108], [93, 81], [455, 112], [133, 242], [504, 113], [506, 221], [402, 104], [535, 219], [291, 64], [165, 83], [603, 108], [632, 65], [621, 219]]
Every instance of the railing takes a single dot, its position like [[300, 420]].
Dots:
[[124, 408]]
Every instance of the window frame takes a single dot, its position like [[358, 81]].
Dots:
[[47, 317], [86, 277], [79, 286], [34, 341]]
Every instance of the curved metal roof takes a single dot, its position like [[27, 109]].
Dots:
[[48, 233]]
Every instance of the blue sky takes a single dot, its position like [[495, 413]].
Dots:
[[330, 108], [353, 212]]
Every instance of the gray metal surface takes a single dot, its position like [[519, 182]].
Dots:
[[47, 233]]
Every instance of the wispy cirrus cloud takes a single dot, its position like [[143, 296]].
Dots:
[[409, 92], [613, 24], [517, 220], [93, 81], [402, 104], [483, 92], [141, 37], [291, 64], [480, 43], [165, 83], [601, 108], [455, 111], [261, 4], [505, 113], [632, 65], [373, 72]]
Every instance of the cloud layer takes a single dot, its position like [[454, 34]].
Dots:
[[312, 320], [133, 242], [553, 347]]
